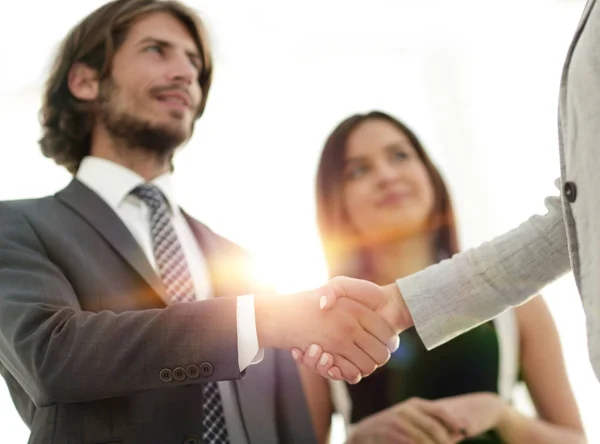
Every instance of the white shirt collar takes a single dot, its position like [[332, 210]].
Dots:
[[113, 182]]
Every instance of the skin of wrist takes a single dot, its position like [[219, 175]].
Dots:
[[401, 317], [507, 416], [265, 308]]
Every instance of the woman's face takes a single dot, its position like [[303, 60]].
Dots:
[[387, 190]]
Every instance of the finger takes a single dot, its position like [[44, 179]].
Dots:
[[428, 425], [367, 293], [297, 355], [451, 422], [335, 373], [378, 352], [348, 371], [312, 356], [325, 364], [360, 358], [346, 344], [394, 435], [378, 327], [327, 300], [412, 430], [399, 437], [456, 438]]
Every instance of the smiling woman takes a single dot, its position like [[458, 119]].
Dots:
[[384, 213]]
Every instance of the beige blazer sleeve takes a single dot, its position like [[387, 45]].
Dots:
[[476, 285]]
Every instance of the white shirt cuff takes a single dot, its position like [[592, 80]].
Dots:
[[247, 337]]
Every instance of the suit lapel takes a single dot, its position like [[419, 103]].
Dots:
[[229, 265], [582, 21], [212, 252], [107, 223], [586, 12], [230, 275]]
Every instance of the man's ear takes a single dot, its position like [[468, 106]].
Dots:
[[83, 82]]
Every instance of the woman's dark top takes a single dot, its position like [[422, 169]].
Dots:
[[469, 363]]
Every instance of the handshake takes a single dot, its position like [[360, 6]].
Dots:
[[344, 330]]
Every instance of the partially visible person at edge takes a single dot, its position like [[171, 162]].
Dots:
[[384, 212]]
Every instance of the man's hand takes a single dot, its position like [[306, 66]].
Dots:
[[386, 301], [357, 338], [416, 420]]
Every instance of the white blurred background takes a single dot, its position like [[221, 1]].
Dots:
[[477, 80]]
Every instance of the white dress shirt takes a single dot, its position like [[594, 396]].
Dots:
[[113, 183]]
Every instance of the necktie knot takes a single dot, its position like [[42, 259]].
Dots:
[[151, 195]]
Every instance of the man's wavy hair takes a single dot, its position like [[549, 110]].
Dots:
[[66, 121]]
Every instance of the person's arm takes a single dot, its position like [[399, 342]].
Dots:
[[59, 353], [472, 287], [460, 293], [546, 378], [318, 398]]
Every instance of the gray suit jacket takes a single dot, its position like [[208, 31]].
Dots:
[[472, 287], [89, 350]]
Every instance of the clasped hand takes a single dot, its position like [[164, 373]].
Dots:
[[355, 321]]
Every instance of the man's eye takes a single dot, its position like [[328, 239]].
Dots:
[[155, 48]]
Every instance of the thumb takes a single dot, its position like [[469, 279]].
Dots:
[[365, 292], [328, 297]]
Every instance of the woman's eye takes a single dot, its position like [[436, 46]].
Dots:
[[357, 171], [400, 155]]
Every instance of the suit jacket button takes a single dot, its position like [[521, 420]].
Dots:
[[192, 371], [570, 191], [166, 375], [191, 440], [206, 369], [179, 374]]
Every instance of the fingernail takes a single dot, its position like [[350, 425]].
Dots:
[[322, 302], [295, 355], [324, 359], [313, 350], [330, 373], [394, 343]]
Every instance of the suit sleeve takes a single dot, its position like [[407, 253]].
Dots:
[[472, 287], [293, 418], [59, 353]]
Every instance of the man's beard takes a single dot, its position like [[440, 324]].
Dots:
[[133, 132]]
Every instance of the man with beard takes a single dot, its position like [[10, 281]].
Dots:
[[123, 319]]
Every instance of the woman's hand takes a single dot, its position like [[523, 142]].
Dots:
[[415, 421], [485, 411]]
